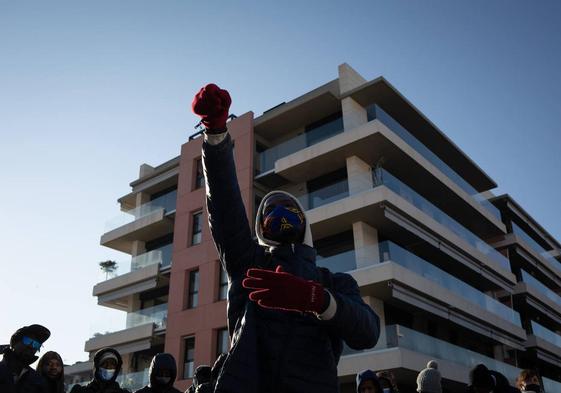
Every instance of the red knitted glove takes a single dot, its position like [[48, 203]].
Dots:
[[212, 103], [284, 291]]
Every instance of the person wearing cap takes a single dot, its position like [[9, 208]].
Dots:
[[107, 366], [51, 368], [16, 375], [163, 372], [287, 318], [429, 379], [368, 382]]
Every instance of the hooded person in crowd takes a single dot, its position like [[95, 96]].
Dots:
[[51, 368], [529, 382], [429, 379], [16, 375], [483, 380], [107, 366], [387, 381], [287, 318], [163, 372], [368, 382]]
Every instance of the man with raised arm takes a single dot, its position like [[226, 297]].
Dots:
[[287, 318]]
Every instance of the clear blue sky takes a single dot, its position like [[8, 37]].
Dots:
[[90, 90]]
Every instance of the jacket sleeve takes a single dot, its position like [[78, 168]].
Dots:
[[226, 212], [354, 321]]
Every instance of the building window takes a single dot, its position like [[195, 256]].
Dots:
[[199, 174], [222, 284], [222, 341], [193, 297], [189, 358], [197, 228]]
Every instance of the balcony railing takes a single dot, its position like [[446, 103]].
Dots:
[[161, 255], [156, 315], [392, 252], [534, 283], [535, 246], [546, 334], [270, 156], [383, 177], [131, 381], [375, 112], [167, 202], [550, 386], [342, 262]]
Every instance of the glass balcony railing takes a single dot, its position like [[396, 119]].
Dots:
[[342, 262], [161, 255], [534, 283], [399, 336], [167, 202], [383, 177], [157, 315], [270, 156], [392, 252], [375, 112], [134, 381], [131, 381], [546, 334], [550, 386], [535, 246]]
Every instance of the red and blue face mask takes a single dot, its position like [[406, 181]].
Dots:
[[284, 224]]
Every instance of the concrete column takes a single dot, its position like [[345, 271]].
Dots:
[[354, 114], [366, 244], [359, 175], [349, 79], [378, 306]]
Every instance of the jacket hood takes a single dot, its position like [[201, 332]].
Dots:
[[97, 359], [162, 361], [270, 243], [59, 382], [368, 375]]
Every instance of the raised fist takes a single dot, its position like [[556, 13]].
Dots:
[[212, 103]]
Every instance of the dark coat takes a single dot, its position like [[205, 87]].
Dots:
[[97, 385], [276, 351], [29, 382], [159, 362]]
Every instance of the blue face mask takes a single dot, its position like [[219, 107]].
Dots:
[[106, 374], [284, 225]]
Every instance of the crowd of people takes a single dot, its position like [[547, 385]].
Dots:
[[17, 375], [429, 380]]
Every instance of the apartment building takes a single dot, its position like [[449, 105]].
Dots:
[[454, 273]]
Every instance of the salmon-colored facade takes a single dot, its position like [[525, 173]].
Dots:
[[203, 321]]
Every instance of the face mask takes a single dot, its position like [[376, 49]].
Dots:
[[163, 380], [284, 225], [387, 390], [106, 374], [532, 388]]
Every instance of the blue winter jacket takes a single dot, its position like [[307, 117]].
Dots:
[[276, 351]]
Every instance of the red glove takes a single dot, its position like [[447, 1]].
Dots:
[[284, 291], [212, 103]]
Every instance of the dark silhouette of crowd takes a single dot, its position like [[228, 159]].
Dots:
[[17, 375]]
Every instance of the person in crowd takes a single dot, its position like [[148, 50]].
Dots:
[[284, 313], [16, 374], [368, 382], [483, 380], [163, 371], [387, 381], [529, 381], [429, 379], [107, 365], [280, 304], [51, 368]]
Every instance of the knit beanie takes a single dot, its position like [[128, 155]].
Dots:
[[428, 380]]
